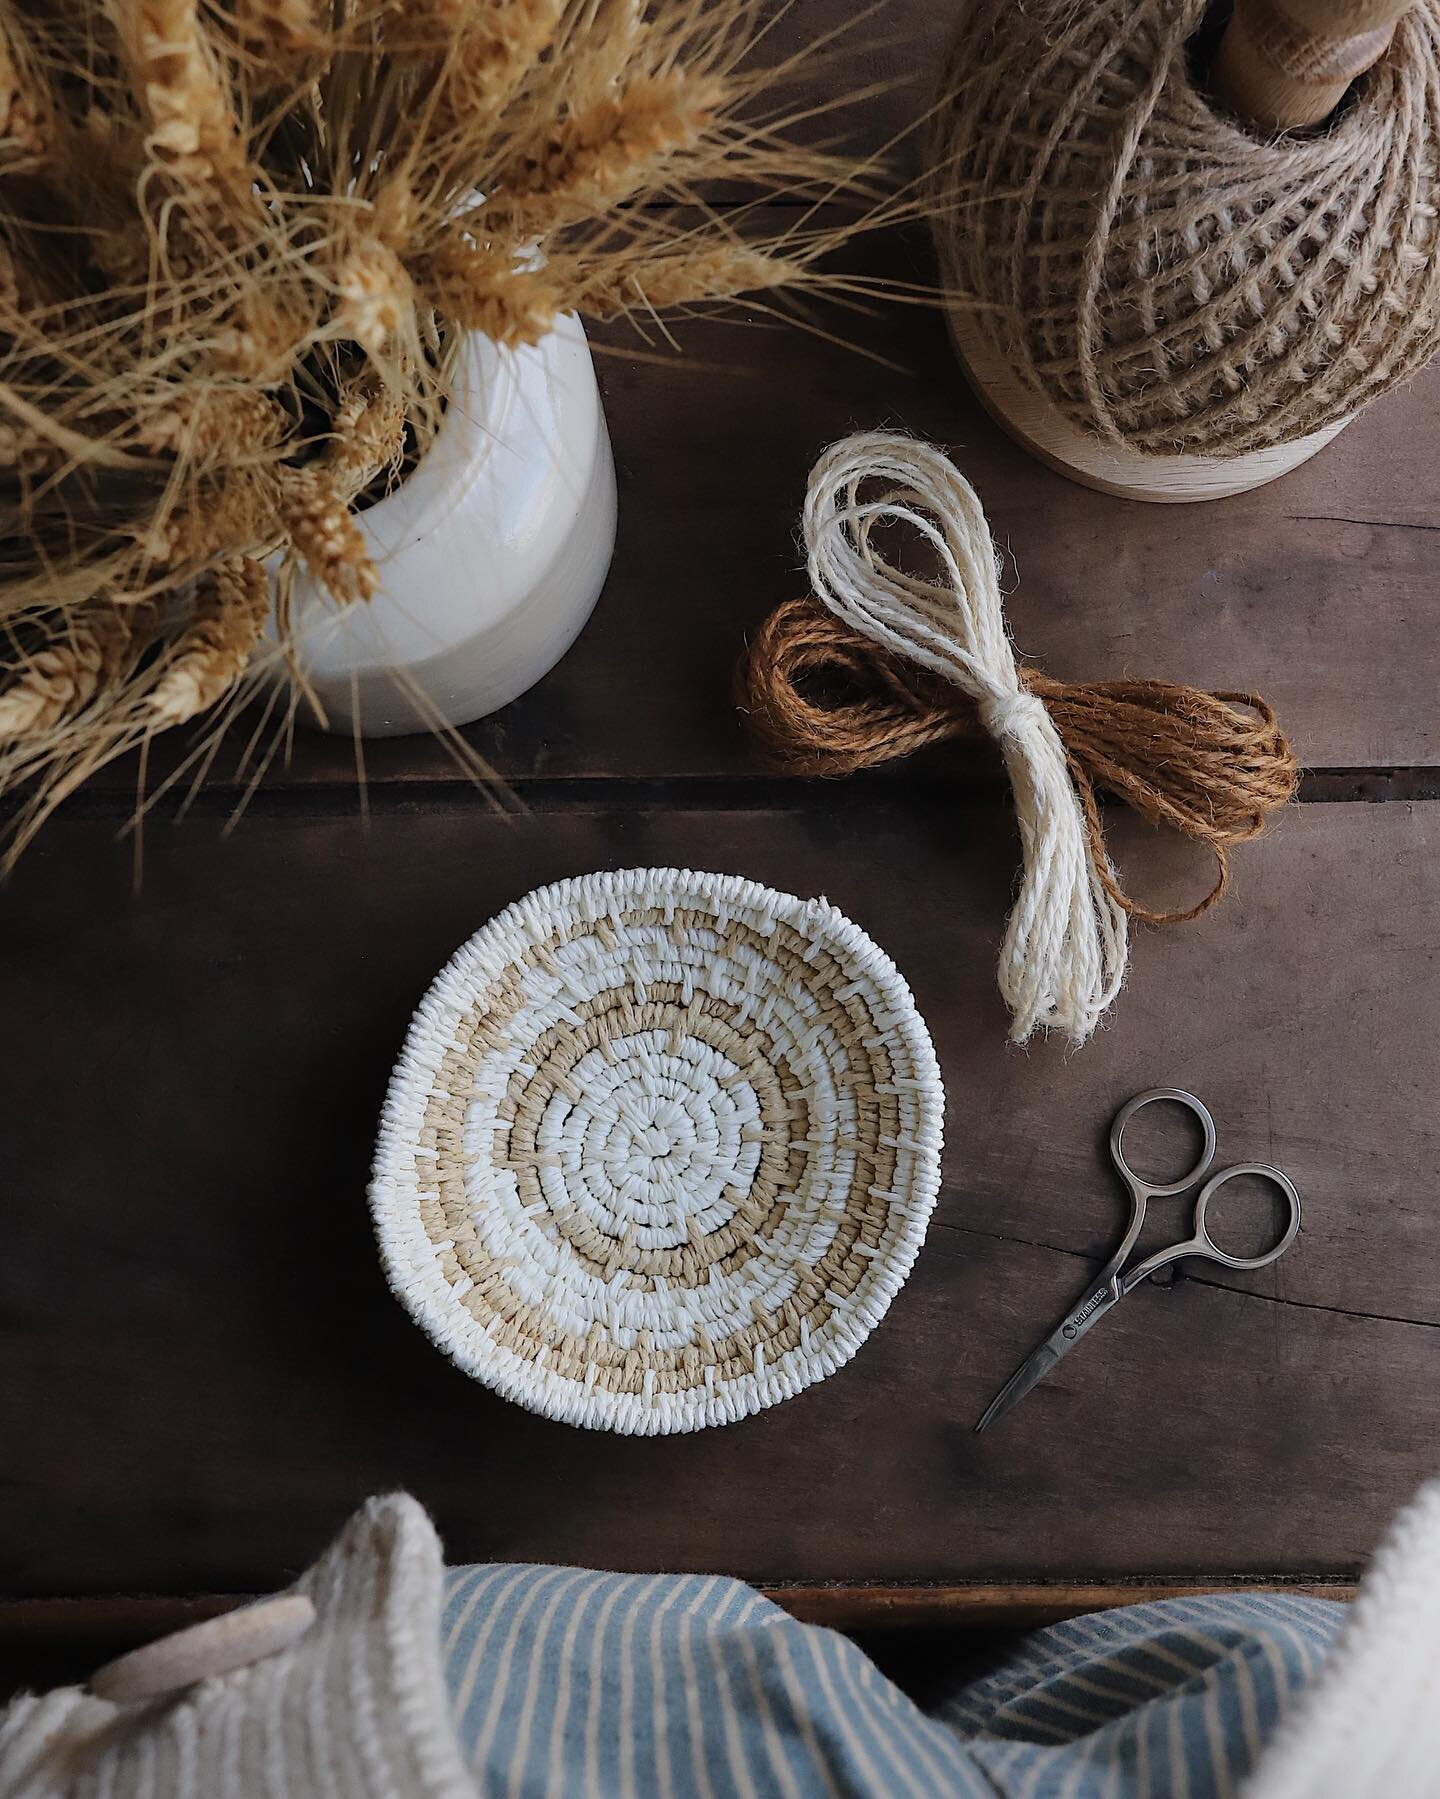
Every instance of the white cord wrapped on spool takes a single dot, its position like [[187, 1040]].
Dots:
[[1064, 953]]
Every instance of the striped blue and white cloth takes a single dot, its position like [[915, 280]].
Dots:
[[564, 1681]]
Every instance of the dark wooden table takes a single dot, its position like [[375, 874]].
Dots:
[[201, 1370]]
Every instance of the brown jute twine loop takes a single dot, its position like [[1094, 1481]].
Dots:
[[822, 699]]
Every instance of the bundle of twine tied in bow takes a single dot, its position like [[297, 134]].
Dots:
[[921, 656]]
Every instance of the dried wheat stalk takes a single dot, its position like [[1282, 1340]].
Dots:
[[209, 655], [236, 241]]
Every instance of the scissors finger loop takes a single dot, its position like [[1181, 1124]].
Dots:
[[1263, 1171], [1140, 1187]]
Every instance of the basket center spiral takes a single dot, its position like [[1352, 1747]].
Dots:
[[643, 1144], [660, 1150]]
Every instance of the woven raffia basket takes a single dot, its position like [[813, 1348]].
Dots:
[[660, 1149]]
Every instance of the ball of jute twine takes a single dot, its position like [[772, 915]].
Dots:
[[883, 662], [1165, 278]]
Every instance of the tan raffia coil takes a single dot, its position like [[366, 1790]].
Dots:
[[1168, 280], [660, 1150]]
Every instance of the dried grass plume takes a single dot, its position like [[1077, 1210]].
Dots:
[[237, 240]]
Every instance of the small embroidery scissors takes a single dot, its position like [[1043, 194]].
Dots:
[[1112, 1283]]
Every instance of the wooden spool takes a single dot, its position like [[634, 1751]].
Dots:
[[1282, 65]]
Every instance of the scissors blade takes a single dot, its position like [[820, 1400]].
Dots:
[[1096, 1303], [1032, 1370]]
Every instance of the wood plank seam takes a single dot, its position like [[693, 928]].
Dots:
[[1403, 785], [108, 1620]]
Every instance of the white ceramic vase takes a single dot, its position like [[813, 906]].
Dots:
[[491, 553]]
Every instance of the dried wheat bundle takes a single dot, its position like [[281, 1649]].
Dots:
[[237, 238]]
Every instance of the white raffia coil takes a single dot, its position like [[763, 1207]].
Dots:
[[660, 1149]]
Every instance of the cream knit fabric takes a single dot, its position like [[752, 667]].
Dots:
[[357, 1709], [1369, 1727]]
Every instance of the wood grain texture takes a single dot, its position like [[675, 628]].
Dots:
[[200, 1369], [982, 1607], [203, 1370], [1317, 590]]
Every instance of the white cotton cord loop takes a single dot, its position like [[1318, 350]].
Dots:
[[1065, 944]]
